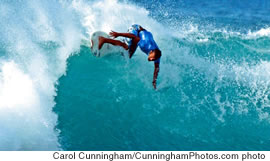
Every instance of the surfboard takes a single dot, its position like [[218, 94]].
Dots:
[[106, 49]]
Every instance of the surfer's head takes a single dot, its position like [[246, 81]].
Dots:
[[135, 29], [154, 55]]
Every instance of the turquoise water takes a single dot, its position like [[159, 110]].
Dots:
[[212, 90], [207, 105]]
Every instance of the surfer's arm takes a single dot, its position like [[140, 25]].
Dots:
[[128, 35], [155, 75]]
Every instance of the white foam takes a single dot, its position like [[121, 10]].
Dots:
[[17, 88], [24, 118], [107, 15], [260, 33], [28, 72]]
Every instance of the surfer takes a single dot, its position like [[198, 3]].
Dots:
[[137, 36]]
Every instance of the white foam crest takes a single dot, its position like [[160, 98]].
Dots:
[[29, 72], [264, 32], [192, 32]]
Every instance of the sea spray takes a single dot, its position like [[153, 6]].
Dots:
[[36, 39]]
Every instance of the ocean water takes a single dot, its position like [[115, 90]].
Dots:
[[212, 90]]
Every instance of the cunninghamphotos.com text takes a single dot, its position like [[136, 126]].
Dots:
[[110, 156]]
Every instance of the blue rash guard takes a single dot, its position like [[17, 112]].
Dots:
[[146, 43]]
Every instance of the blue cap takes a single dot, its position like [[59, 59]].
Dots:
[[134, 29]]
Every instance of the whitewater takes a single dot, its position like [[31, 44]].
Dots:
[[212, 91]]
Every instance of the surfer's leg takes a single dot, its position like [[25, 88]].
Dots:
[[103, 40]]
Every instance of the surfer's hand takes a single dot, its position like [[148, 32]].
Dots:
[[113, 34], [154, 84]]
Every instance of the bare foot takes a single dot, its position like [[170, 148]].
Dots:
[[100, 42]]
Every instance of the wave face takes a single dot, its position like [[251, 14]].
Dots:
[[36, 38], [213, 86]]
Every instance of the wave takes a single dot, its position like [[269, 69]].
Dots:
[[215, 71]]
